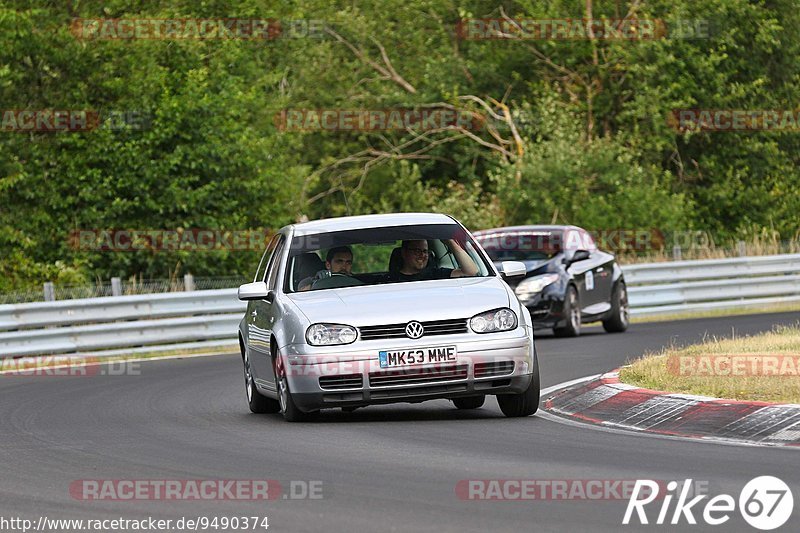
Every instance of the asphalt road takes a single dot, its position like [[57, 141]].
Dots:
[[384, 468]]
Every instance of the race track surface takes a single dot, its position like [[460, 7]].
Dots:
[[384, 468]]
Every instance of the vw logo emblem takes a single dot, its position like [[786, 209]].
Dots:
[[414, 330]]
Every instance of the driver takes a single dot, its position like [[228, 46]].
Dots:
[[339, 260]]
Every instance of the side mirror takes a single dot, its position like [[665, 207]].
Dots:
[[253, 291], [512, 269], [579, 255]]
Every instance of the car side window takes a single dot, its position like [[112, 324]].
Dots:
[[274, 263], [262, 265]]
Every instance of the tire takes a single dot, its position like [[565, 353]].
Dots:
[[290, 411], [471, 402], [572, 311], [524, 404], [620, 316], [255, 400]]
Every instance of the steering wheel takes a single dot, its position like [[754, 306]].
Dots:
[[336, 280]]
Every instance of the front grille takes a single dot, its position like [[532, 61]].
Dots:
[[418, 376], [349, 381], [397, 331], [494, 368], [421, 392]]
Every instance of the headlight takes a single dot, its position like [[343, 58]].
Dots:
[[330, 334], [529, 287], [491, 321]]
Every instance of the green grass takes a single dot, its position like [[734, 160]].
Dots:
[[670, 370]]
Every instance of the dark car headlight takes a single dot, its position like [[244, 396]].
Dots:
[[503, 319], [530, 287], [330, 334]]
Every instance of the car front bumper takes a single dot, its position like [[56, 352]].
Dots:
[[352, 376], [547, 310]]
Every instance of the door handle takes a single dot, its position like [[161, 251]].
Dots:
[[254, 313]]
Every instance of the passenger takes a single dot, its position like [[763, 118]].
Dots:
[[416, 255]]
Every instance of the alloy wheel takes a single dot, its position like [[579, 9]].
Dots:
[[624, 311], [574, 312]]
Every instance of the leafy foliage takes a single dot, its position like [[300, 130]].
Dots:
[[578, 131]]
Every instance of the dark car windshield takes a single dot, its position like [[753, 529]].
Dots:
[[375, 256], [530, 246]]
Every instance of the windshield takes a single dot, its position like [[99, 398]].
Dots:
[[532, 246], [382, 255]]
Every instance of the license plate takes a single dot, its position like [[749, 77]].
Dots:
[[417, 356]]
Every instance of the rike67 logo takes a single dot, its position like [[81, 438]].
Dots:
[[765, 503]]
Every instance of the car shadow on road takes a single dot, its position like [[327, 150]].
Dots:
[[377, 413]]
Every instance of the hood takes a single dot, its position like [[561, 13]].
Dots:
[[398, 303]]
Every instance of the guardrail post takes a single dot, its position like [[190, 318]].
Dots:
[[49, 292], [676, 252], [188, 282], [741, 248], [116, 287]]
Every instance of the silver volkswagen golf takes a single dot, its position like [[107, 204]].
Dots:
[[375, 309]]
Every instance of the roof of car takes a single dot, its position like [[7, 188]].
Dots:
[[371, 221], [524, 229]]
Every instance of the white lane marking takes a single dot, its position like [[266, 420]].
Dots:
[[637, 432], [588, 399], [764, 420], [621, 386], [653, 411], [633, 432], [791, 432], [566, 384], [693, 397]]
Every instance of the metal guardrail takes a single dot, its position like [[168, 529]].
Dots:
[[119, 321], [116, 308], [157, 321], [738, 267], [120, 334], [684, 286]]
